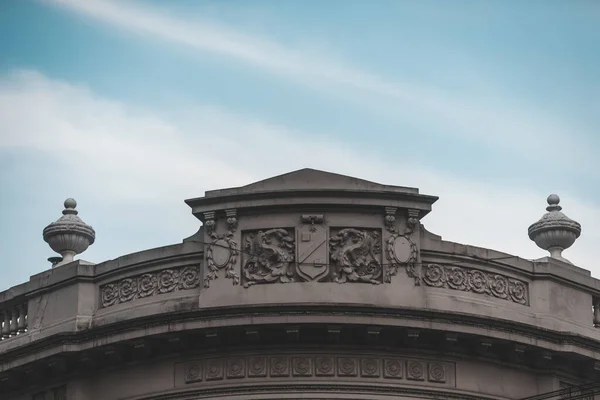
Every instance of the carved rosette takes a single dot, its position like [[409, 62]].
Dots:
[[270, 255], [401, 250], [355, 255], [476, 281], [222, 252]]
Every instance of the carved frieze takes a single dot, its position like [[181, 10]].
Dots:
[[401, 250], [222, 251], [269, 256], [149, 284], [476, 281], [302, 366], [355, 255]]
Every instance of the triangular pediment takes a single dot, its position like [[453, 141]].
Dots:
[[311, 179]]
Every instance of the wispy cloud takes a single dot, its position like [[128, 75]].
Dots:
[[516, 128], [121, 156]]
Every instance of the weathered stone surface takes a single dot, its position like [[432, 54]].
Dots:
[[295, 284]]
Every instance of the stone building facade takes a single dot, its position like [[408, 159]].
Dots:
[[308, 285]]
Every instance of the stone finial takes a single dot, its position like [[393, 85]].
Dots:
[[69, 235], [555, 231]]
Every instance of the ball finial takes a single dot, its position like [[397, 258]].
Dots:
[[70, 203], [553, 199]]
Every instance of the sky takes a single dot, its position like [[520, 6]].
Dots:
[[130, 107]]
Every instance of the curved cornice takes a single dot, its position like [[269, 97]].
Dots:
[[321, 314]]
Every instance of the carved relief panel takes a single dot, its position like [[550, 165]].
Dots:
[[269, 256], [355, 255]]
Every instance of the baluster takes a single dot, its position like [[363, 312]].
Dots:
[[6, 326], [22, 325], [13, 321], [597, 313]]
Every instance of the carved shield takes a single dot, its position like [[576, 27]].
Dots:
[[312, 252]]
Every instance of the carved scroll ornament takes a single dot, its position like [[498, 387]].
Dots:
[[149, 284], [270, 255], [356, 256], [476, 281]]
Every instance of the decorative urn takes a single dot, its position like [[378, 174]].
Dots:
[[555, 231], [69, 235]]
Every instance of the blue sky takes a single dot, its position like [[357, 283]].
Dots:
[[132, 106]]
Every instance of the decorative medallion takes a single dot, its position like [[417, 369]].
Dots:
[[280, 366], [236, 368], [355, 256], [392, 368], [401, 250], [347, 366], [324, 366], [193, 372], [222, 252], [270, 255], [312, 264], [214, 369], [437, 373], [415, 371], [302, 366], [257, 366], [369, 367]]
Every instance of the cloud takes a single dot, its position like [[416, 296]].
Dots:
[[503, 124], [139, 167]]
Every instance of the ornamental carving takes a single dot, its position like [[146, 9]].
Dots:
[[193, 373], [437, 372], [415, 371], [214, 369], [311, 249], [149, 284], [370, 367], [280, 366], [401, 250], [476, 281], [269, 257], [347, 366], [236, 368], [355, 255], [257, 366], [302, 366], [392, 368], [222, 251]]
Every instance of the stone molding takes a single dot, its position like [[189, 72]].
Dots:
[[149, 284], [286, 391], [304, 366], [476, 281]]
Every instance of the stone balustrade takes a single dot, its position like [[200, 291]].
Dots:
[[13, 319]]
